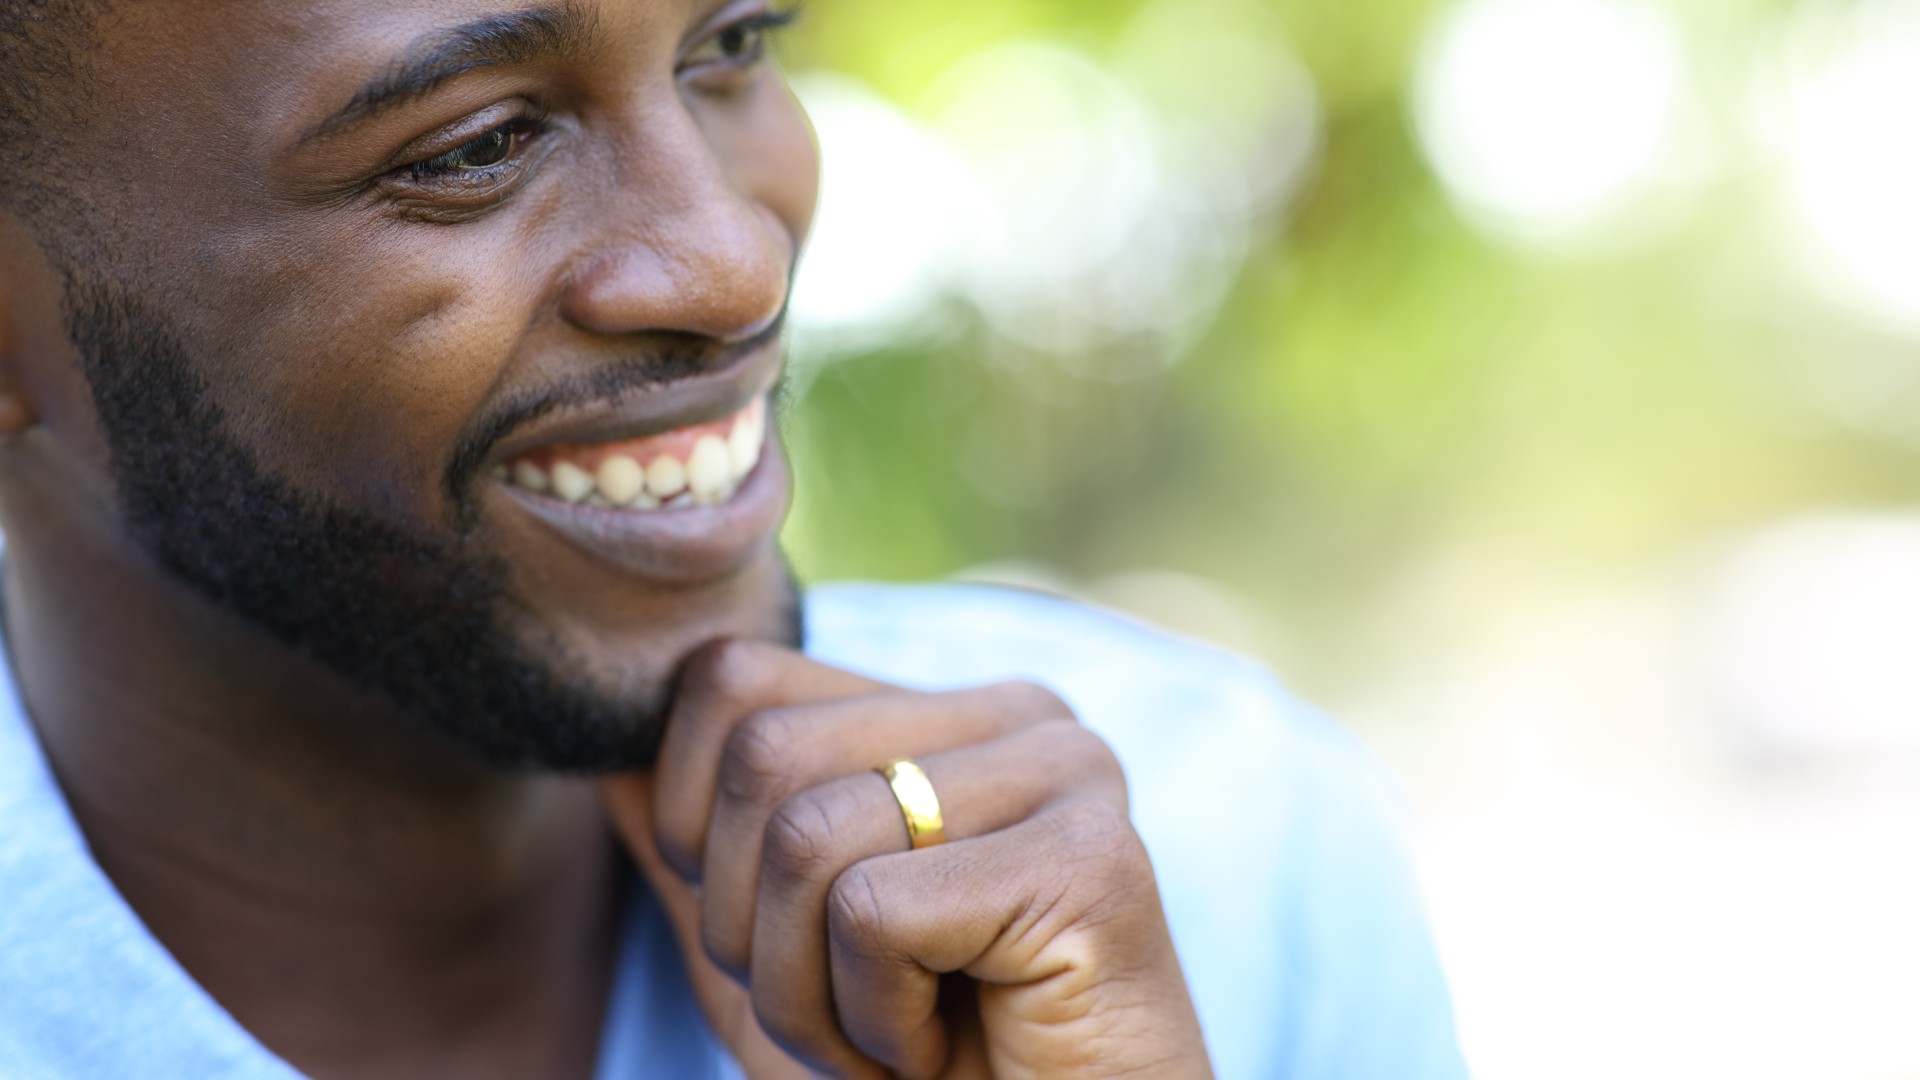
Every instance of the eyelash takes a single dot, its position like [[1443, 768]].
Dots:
[[443, 166], [757, 29], [445, 169]]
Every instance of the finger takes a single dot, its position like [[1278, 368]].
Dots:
[[724, 1002], [629, 802], [1058, 919], [718, 686], [773, 755], [813, 837]]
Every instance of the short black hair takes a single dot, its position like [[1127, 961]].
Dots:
[[41, 42]]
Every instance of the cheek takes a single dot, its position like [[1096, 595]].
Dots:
[[356, 374]]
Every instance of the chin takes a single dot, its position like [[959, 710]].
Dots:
[[592, 694]]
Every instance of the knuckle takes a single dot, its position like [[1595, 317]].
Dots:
[[1082, 759], [757, 757], [1032, 699], [801, 841], [1092, 756], [1101, 836], [731, 671], [855, 916]]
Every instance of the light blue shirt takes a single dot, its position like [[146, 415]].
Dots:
[[1302, 939]]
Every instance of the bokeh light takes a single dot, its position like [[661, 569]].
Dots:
[[1811, 635], [1839, 100], [1074, 202], [1546, 117], [895, 204], [1070, 255]]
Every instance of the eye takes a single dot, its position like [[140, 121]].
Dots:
[[488, 151], [484, 152], [737, 41], [740, 44]]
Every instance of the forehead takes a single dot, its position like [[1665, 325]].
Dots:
[[271, 62]]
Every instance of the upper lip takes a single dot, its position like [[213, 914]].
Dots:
[[711, 394]]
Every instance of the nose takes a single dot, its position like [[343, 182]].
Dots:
[[685, 249]]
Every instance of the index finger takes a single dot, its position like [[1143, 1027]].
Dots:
[[720, 685]]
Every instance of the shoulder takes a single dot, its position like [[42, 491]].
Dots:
[[1186, 713], [1151, 693], [935, 636], [1276, 837], [85, 990]]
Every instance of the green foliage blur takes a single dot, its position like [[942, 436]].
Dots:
[[1385, 383]]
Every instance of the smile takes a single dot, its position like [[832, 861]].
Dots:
[[682, 504], [694, 466]]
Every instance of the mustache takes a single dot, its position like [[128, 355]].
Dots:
[[676, 357]]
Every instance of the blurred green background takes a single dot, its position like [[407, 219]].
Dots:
[[1535, 382], [1381, 381]]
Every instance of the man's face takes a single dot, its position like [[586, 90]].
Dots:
[[356, 278]]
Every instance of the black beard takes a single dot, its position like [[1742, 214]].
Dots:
[[427, 623]]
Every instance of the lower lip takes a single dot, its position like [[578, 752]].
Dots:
[[687, 546]]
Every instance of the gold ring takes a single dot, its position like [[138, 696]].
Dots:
[[918, 803]]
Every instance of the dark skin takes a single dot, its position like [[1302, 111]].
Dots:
[[365, 897]]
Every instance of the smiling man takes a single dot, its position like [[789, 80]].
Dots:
[[403, 678]]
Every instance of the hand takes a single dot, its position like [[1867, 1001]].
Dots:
[[1031, 944]]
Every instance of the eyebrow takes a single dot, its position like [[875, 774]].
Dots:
[[517, 37]]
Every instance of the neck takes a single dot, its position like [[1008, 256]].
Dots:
[[358, 893]]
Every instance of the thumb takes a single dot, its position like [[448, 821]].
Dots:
[[628, 798]]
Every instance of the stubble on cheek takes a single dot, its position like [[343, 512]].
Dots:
[[427, 621]]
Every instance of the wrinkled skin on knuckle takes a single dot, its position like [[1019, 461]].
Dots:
[[757, 757], [1101, 888], [1105, 844], [802, 843], [856, 917], [1100, 990], [1084, 867]]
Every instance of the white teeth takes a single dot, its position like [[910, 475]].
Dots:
[[710, 470], [621, 479], [666, 477], [708, 477], [746, 442], [571, 482], [530, 476]]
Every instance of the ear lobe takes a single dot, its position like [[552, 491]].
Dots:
[[17, 411]]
